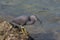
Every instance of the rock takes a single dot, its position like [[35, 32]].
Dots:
[[8, 32]]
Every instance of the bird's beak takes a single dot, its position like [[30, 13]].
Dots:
[[39, 20]]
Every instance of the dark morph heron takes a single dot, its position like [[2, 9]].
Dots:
[[26, 20]]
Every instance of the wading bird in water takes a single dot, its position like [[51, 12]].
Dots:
[[26, 20]]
